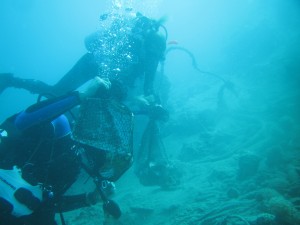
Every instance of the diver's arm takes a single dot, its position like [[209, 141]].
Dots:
[[46, 110], [51, 108], [72, 202], [84, 70]]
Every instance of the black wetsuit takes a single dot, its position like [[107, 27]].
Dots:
[[145, 52], [38, 142]]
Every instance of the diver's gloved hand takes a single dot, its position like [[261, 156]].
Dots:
[[92, 198], [157, 112], [145, 101], [96, 85], [107, 187], [152, 108], [6, 80]]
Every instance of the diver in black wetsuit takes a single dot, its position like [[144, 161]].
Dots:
[[130, 55], [39, 161]]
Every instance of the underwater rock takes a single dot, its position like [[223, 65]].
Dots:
[[233, 193], [265, 219], [272, 202], [275, 157], [265, 194], [248, 166], [285, 212], [294, 191], [279, 184]]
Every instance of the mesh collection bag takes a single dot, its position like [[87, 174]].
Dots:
[[107, 126]]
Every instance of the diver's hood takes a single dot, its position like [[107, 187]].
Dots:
[[93, 41]]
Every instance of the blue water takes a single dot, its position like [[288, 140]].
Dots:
[[234, 128]]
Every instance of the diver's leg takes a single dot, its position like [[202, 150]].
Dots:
[[46, 111], [84, 70], [32, 85], [5, 81]]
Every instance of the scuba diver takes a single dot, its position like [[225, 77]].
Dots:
[[130, 48], [40, 159]]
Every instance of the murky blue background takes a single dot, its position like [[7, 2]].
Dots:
[[254, 45]]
